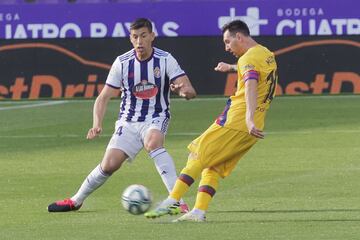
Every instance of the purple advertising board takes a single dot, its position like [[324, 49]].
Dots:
[[188, 18]]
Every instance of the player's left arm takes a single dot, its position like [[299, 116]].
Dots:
[[251, 84], [179, 82], [183, 87]]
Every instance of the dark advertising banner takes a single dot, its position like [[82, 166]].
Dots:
[[79, 67], [180, 18]]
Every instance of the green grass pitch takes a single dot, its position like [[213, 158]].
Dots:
[[301, 182]]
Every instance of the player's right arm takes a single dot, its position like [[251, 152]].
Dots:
[[111, 89], [99, 110], [226, 67]]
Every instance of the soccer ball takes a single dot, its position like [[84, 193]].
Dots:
[[136, 199]]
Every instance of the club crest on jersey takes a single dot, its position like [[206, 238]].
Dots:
[[157, 72], [145, 90]]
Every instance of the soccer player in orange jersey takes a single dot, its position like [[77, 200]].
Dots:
[[216, 152]]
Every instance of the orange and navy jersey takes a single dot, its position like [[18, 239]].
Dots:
[[257, 64]]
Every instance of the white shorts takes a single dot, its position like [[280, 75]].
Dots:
[[129, 136]]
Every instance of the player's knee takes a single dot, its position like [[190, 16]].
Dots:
[[110, 164], [153, 140], [110, 168], [152, 145]]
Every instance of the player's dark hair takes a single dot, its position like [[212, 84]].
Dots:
[[140, 23], [235, 27]]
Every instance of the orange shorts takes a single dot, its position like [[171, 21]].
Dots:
[[220, 148]]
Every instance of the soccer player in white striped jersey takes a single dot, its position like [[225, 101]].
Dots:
[[145, 76]]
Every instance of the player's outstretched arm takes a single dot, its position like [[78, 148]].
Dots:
[[251, 103], [225, 67], [99, 110], [183, 87]]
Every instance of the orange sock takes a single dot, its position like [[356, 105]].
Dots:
[[207, 189], [186, 178], [179, 190]]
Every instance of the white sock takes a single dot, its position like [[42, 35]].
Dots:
[[198, 212], [93, 181], [167, 202], [165, 167]]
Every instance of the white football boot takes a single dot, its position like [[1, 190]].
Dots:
[[191, 216]]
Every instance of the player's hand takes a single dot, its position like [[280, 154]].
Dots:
[[176, 87], [93, 132], [255, 131], [183, 90], [223, 67]]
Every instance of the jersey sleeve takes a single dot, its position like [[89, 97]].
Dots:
[[173, 69], [114, 78], [248, 69]]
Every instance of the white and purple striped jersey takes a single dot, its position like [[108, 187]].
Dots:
[[127, 73]]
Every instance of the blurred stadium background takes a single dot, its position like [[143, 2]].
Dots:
[[301, 182], [316, 43]]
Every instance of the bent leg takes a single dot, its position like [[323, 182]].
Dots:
[[185, 180], [164, 163], [207, 188], [187, 177], [206, 191], [153, 143], [111, 162]]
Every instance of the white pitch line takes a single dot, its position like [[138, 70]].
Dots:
[[224, 98], [199, 99], [26, 101], [41, 104], [53, 136], [188, 134], [317, 97]]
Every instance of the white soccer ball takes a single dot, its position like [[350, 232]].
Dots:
[[136, 199]]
